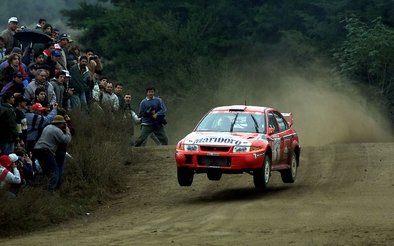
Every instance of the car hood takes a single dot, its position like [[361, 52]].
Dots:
[[222, 138]]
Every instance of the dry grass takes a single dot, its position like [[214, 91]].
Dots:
[[93, 176]]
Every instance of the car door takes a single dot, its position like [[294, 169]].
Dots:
[[285, 137], [276, 144]]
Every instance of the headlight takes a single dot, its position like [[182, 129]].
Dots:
[[190, 147], [241, 149], [245, 148]]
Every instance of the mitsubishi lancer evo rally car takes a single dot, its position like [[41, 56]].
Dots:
[[237, 139]]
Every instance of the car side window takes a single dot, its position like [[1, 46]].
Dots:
[[281, 122], [272, 122]]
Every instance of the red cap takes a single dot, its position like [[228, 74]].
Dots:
[[38, 107], [5, 161]]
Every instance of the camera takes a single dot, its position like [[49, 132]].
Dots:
[[94, 57]]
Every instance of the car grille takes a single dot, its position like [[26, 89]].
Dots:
[[214, 161], [215, 148]]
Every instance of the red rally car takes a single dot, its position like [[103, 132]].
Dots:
[[238, 139]]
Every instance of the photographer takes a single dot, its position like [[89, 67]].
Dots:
[[9, 174], [55, 135], [152, 113]]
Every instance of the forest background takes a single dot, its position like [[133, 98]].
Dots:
[[192, 48]]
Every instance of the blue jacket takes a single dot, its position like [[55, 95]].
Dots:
[[148, 106], [32, 131]]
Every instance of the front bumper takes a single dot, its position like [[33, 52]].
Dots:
[[226, 162]]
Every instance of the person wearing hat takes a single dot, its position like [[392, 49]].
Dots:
[[15, 86], [63, 41], [54, 135], [36, 121], [9, 174], [8, 34]]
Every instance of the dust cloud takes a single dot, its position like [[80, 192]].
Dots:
[[325, 109]]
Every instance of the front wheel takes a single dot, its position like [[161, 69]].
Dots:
[[261, 176], [289, 175], [185, 176]]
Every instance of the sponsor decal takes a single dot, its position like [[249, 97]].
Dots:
[[219, 140]]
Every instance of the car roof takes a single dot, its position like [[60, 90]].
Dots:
[[242, 108]]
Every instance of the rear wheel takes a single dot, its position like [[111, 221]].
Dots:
[[261, 176], [185, 176], [214, 175], [289, 175]]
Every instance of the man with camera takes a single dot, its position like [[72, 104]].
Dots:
[[54, 136], [152, 112]]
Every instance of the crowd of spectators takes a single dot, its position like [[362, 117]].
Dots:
[[40, 83]]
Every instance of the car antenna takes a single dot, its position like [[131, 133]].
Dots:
[[245, 101]]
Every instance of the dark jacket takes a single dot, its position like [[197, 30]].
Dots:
[[79, 81], [8, 130]]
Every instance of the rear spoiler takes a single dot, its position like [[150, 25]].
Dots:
[[289, 118]]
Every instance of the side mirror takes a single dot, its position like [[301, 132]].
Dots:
[[271, 130]]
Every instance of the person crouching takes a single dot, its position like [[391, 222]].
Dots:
[[53, 135]]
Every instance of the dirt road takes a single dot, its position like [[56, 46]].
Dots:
[[343, 196]]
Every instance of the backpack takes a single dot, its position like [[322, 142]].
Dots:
[[40, 126]]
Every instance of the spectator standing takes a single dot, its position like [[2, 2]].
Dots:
[[31, 73], [8, 34], [99, 88], [129, 113], [63, 43], [21, 122], [118, 92], [8, 126], [108, 99], [47, 29], [79, 83], [40, 96], [2, 49], [41, 23], [41, 81], [58, 86], [8, 69], [16, 86], [152, 112], [53, 135], [36, 122], [74, 54]]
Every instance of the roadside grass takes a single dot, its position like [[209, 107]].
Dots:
[[94, 175]]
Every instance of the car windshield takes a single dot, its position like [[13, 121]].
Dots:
[[232, 122]]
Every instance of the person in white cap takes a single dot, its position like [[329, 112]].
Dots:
[[9, 174], [8, 34]]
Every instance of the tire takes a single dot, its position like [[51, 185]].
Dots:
[[289, 175], [261, 176], [185, 176], [215, 176]]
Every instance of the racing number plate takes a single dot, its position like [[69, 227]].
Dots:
[[214, 161]]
